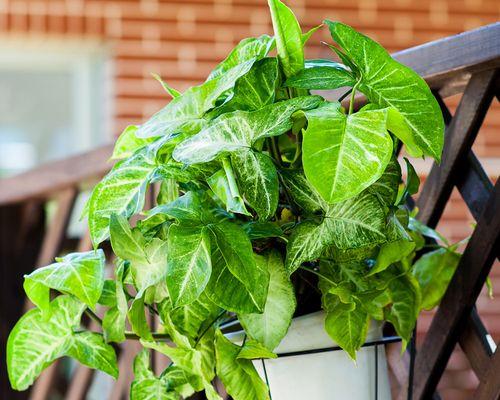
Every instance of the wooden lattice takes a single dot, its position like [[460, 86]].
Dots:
[[467, 63]]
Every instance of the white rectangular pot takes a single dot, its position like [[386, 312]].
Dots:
[[325, 375]]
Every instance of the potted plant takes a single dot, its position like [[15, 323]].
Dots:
[[265, 190]]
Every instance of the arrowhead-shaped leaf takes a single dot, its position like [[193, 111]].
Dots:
[[258, 180], [79, 274], [238, 283], [347, 326], [148, 259], [434, 271], [245, 50], [288, 38], [90, 349], [333, 146], [185, 113], [390, 84], [322, 75], [121, 192], [240, 129], [189, 265], [270, 327], [351, 224], [146, 386], [127, 143], [406, 299], [113, 322], [239, 376], [253, 90], [35, 343]]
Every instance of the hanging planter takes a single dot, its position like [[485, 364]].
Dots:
[[266, 189], [310, 365]]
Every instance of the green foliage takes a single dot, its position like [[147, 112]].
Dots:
[[259, 180]]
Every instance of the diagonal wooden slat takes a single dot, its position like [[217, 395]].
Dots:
[[489, 387], [458, 300], [475, 345], [51, 246], [459, 138]]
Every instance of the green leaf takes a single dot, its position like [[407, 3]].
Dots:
[[258, 180], [433, 272], [148, 260], [253, 90], [238, 283], [252, 349], [356, 222], [113, 322], [417, 226], [90, 349], [185, 113], [321, 75], [390, 84], [108, 294], [386, 187], [245, 50], [302, 192], [391, 253], [79, 274], [170, 90], [127, 244], [121, 192], [288, 38], [127, 143], [146, 386], [195, 361], [406, 298], [347, 326], [351, 224], [192, 318], [239, 376], [262, 230], [412, 183], [220, 185], [189, 265], [137, 319], [306, 36], [306, 243], [332, 147], [186, 209], [270, 327], [241, 129], [35, 343]]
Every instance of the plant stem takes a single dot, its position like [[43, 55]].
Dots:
[[208, 327], [93, 316], [274, 149], [228, 169], [156, 335], [318, 274], [353, 94], [298, 150]]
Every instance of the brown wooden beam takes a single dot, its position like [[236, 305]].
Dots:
[[459, 138], [489, 387], [458, 301], [475, 345], [43, 181]]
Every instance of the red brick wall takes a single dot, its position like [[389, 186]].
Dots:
[[183, 39]]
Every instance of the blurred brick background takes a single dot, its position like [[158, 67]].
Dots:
[[183, 39]]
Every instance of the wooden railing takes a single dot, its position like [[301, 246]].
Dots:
[[467, 63]]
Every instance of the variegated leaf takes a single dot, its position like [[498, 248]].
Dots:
[[343, 155], [79, 274], [390, 84], [240, 129]]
